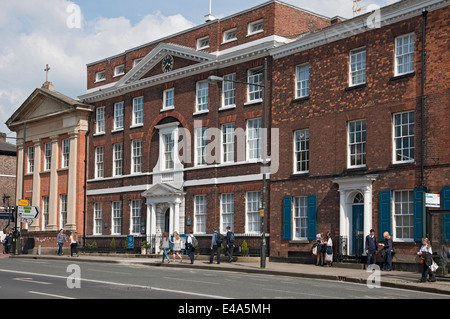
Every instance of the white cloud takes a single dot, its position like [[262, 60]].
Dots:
[[35, 33]]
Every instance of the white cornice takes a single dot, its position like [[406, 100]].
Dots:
[[388, 15]]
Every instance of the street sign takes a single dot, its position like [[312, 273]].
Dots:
[[28, 212], [24, 202], [432, 200]]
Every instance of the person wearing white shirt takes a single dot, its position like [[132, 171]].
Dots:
[[425, 253]]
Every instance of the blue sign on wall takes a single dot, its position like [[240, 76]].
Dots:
[[130, 242]]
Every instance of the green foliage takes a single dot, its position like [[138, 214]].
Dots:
[[112, 244], [94, 245], [244, 248]]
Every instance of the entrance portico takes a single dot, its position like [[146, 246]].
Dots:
[[355, 207], [165, 212]]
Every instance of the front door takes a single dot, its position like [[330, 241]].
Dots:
[[167, 221], [357, 225]]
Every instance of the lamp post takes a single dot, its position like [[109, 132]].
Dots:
[[214, 78]]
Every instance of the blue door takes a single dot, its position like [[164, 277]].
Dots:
[[357, 225]]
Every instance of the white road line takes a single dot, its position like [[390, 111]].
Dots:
[[31, 280], [116, 284], [50, 295]]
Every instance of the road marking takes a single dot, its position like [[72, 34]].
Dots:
[[31, 280], [117, 284], [50, 295]]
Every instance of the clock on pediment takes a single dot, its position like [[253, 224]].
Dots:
[[167, 63]]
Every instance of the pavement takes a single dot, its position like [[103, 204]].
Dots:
[[392, 279]]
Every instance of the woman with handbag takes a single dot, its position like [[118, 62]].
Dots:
[[320, 250], [387, 252], [425, 254], [329, 254]]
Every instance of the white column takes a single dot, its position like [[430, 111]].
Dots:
[[72, 184], [53, 194], [343, 230], [367, 211], [36, 195], [177, 215], [172, 220]]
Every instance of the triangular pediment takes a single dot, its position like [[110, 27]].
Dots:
[[162, 190], [43, 103], [151, 64]]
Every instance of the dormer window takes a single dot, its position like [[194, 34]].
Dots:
[[230, 35], [119, 70], [100, 76], [255, 27], [203, 43]]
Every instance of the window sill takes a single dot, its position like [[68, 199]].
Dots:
[[201, 112], [253, 102], [165, 109], [300, 99], [299, 241], [355, 87], [117, 130], [300, 174], [402, 76], [228, 107], [403, 164], [356, 168], [136, 125], [99, 134]]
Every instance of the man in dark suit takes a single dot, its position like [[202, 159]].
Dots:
[[371, 248]]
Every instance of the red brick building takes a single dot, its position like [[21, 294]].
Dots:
[[344, 99]]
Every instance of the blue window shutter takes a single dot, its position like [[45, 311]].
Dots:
[[287, 217], [418, 204], [312, 217], [446, 206], [385, 213]]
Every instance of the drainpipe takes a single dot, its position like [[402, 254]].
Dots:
[[85, 179], [422, 113]]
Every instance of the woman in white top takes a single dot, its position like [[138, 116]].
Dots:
[[176, 246], [73, 244], [329, 253], [425, 253]]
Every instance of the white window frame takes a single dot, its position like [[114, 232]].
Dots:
[[228, 135], [45, 212], [226, 35], [229, 91], [62, 210], [47, 156], [118, 159], [31, 153], [168, 99], [201, 142], [226, 212], [99, 162], [135, 217], [118, 116], [254, 88], [301, 151], [65, 150], [200, 214], [357, 67], [399, 207], [252, 207], [100, 76], [254, 139], [137, 61], [203, 43], [356, 143], [98, 219], [138, 111], [136, 156], [119, 70], [202, 96], [404, 52], [100, 120], [300, 217], [302, 83], [168, 152], [255, 27], [401, 139], [116, 218]]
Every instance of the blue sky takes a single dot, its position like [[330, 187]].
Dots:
[[35, 33]]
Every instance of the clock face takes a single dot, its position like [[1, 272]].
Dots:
[[167, 63]]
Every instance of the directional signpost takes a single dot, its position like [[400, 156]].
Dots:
[[28, 212]]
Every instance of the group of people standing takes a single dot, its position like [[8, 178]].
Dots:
[[73, 240], [324, 249]]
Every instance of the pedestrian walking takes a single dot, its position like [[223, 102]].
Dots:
[[165, 247], [321, 249], [230, 244], [329, 254], [426, 260], [192, 243], [371, 248], [388, 247], [73, 244], [60, 239], [216, 242], [176, 246]]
